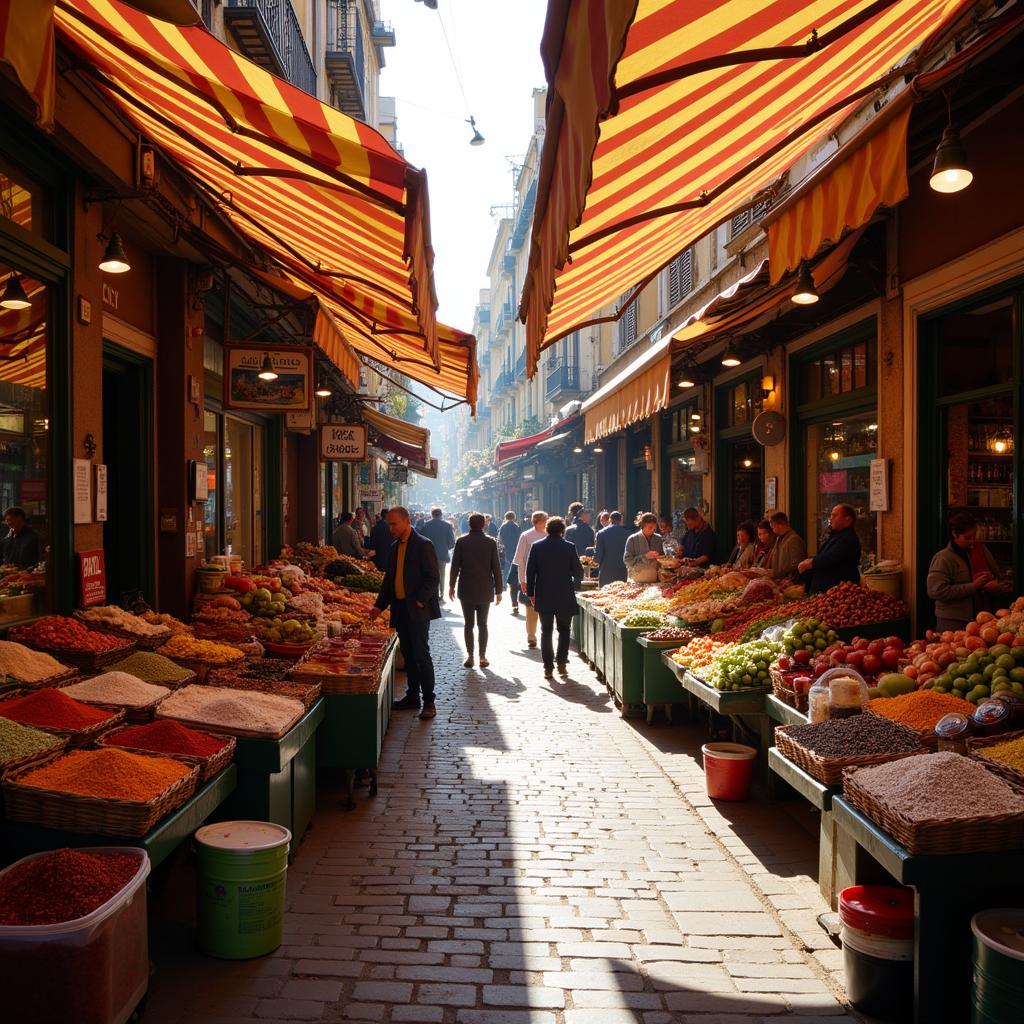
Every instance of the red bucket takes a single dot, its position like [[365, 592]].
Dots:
[[728, 770]]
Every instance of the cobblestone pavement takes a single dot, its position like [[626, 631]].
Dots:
[[533, 858]]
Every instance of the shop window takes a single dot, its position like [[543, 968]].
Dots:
[[25, 484], [976, 348], [25, 202], [747, 477], [841, 372], [686, 485], [211, 510], [740, 403]]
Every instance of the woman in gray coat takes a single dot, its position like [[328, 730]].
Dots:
[[644, 549], [476, 571]]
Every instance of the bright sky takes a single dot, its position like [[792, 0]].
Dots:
[[497, 49]]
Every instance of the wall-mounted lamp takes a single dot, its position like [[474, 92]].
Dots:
[[115, 260], [806, 294], [14, 296], [767, 385], [267, 371], [648, 457]]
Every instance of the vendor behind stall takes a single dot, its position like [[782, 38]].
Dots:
[[699, 541], [838, 558], [21, 545]]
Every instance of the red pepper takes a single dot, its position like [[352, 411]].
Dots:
[[240, 583]]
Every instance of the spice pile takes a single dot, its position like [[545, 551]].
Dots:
[[231, 710], [920, 709], [167, 737], [25, 665], [939, 787], [117, 618], [266, 670], [18, 741], [854, 736], [119, 688], [58, 633], [189, 648], [52, 709], [108, 773], [1010, 753], [152, 668], [63, 885]]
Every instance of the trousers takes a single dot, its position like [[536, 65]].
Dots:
[[414, 643], [548, 621], [477, 612]]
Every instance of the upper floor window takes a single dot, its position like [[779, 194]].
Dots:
[[740, 403], [845, 369], [24, 201], [680, 278], [627, 327], [746, 217]]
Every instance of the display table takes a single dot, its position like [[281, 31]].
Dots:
[[661, 688], [948, 891], [782, 713], [277, 778], [352, 734], [18, 839]]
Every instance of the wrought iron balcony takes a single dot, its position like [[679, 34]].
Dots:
[[382, 34], [506, 317], [562, 379], [268, 33], [520, 365], [502, 382], [345, 58]]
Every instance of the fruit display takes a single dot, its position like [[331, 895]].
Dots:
[[643, 620], [698, 653], [981, 674], [264, 602], [807, 638], [286, 631], [849, 604], [676, 634], [60, 633], [742, 666], [369, 581]]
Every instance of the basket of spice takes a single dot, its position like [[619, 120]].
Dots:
[[21, 745], [940, 803], [118, 690], [210, 751], [200, 656], [225, 710], [106, 792], [824, 749], [1002, 754], [32, 669], [117, 622], [53, 711], [920, 710], [72, 642], [151, 667], [307, 693]]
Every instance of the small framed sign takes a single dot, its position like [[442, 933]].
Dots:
[[82, 490], [101, 494], [343, 442], [248, 383]]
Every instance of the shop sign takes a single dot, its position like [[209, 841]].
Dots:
[[82, 490], [879, 493], [370, 493], [101, 494], [92, 578], [343, 442], [398, 474], [299, 422], [291, 391]]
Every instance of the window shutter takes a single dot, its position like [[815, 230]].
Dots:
[[680, 278]]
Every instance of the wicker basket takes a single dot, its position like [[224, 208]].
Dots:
[[75, 737], [829, 770], [87, 661], [60, 742], [208, 766], [929, 737], [142, 642], [964, 835], [137, 713], [978, 743], [340, 686], [308, 693], [71, 675], [54, 809], [786, 693]]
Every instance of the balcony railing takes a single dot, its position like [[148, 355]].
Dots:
[[520, 365], [506, 317], [268, 32], [561, 379], [345, 58], [502, 382]]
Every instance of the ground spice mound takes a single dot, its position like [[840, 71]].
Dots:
[[153, 668], [27, 666], [18, 741], [920, 709], [52, 709], [939, 787], [108, 773], [116, 688], [1010, 753], [224, 708], [62, 886], [168, 737], [857, 735]]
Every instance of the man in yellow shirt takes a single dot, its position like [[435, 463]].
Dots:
[[410, 590]]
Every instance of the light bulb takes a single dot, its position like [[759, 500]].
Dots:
[[267, 371], [114, 259], [834, 456]]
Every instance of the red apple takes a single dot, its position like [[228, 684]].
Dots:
[[839, 657], [890, 658], [785, 663], [861, 644], [894, 641], [855, 659], [876, 647], [802, 657], [872, 664]]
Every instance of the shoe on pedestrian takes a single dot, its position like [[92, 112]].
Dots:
[[406, 703], [531, 644], [563, 669], [429, 711], [468, 663], [549, 673], [515, 609], [483, 662]]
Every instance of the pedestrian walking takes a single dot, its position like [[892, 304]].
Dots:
[[643, 549], [508, 538], [476, 571], [609, 548], [380, 541], [581, 533], [526, 540], [490, 527], [570, 515], [409, 589], [442, 536], [553, 575], [346, 540]]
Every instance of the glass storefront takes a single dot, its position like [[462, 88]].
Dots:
[[739, 459], [683, 479]]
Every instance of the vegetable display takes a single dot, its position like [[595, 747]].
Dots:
[[59, 633], [742, 666]]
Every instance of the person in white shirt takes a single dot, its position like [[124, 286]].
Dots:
[[526, 540]]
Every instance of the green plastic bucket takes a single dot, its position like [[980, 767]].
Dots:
[[998, 961], [240, 890]]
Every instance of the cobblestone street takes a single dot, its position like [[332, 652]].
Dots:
[[533, 858]]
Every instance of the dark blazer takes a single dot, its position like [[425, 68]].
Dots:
[[581, 536], [477, 568], [837, 560], [508, 537], [441, 535], [380, 543], [553, 575], [422, 578], [608, 551]]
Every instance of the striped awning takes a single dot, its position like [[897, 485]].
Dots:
[[411, 437], [322, 196], [25, 363], [666, 117], [26, 45], [635, 393]]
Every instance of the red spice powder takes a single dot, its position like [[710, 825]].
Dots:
[[51, 709], [168, 737], [62, 886]]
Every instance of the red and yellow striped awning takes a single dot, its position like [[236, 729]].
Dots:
[[325, 196], [26, 45], [666, 117]]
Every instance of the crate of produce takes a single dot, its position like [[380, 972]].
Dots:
[[119, 691], [783, 688], [70, 955], [53, 711], [27, 800], [22, 745], [979, 748], [941, 803], [129, 737]]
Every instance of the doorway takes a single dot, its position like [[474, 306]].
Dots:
[[128, 533]]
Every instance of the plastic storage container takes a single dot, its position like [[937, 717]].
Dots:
[[878, 950], [847, 691], [997, 993], [728, 770], [94, 970]]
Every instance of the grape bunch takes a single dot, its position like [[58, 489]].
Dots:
[[743, 666]]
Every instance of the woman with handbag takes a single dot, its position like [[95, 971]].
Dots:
[[643, 549]]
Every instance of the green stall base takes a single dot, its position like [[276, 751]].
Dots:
[[661, 688], [583, 637], [627, 662], [277, 778], [598, 632]]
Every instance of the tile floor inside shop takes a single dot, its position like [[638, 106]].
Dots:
[[531, 858]]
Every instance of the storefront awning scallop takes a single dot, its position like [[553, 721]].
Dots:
[[666, 117], [414, 440], [324, 196]]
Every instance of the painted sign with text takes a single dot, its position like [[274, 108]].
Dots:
[[343, 442], [92, 578], [288, 390]]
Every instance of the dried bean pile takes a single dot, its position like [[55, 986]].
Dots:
[[939, 787], [857, 735]]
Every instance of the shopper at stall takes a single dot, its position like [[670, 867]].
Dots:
[[789, 550], [21, 545], [570, 516], [526, 540], [442, 536], [346, 540], [476, 573], [409, 589], [643, 549], [742, 556], [838, 558], [604, 517], [763, 545], [508, 538], [962, 575], [609, 547], [581, 533], [553, 575], [699, 540], [664, 527], [360, 523], [490, 527], [380, 541]]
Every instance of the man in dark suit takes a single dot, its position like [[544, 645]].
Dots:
[[442, 536], [838, 558], [553, 575], [581, 533], [380, 541], [410, 591], [476, 569], [609, 549]]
